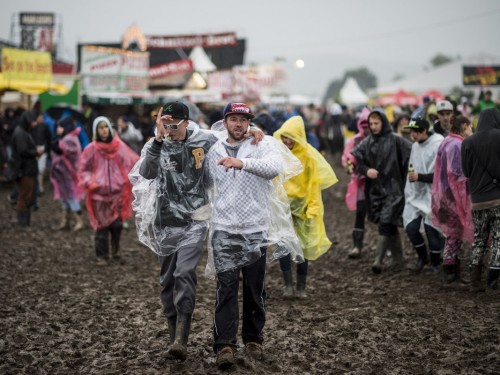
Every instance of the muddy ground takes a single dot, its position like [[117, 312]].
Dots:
[[61, 314]]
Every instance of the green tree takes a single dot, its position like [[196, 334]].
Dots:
[[440, 59], [365, 78]]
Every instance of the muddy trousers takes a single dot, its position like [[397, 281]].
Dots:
[[226, 307], [101, 239], [178, 274], [486, 224]]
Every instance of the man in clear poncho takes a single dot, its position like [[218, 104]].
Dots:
[[304, 194], [243, 178], [172, 208]]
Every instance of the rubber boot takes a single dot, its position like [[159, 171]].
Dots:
[[288, 291], [493, 278], [382, 243], [422, 258], [475, 278], [449, 274], [64, 224], [178, 350], [458, 275], [301, 287], [357, 240], [396, 246], [116, 231], [171, 329], [78, 221], [435, 261], [22, 219]]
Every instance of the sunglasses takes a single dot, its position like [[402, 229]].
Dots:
[[173, 126]]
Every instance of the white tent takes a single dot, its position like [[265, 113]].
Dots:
[[351, 94], [201, 61], [443, 78]]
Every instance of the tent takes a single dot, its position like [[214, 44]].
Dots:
[[30, 87], [351, 94], [201, 62], [401, 97]]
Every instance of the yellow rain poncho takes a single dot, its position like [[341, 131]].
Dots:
[[304, 190]]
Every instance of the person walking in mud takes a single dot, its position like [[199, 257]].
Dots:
[[306, 203], [103, 174], [241, 174], [355, 196], [383, 159], [172, 211], [481, 164], [418, 192], [451, 205]]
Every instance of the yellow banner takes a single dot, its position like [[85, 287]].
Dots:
[[18, 64]]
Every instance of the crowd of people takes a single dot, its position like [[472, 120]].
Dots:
[[250, 191]]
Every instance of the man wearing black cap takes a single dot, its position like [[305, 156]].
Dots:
[[418, 191], [178, 217]]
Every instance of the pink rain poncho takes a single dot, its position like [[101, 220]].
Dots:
[[451, 205], [104, 174], [356, 187], [64, 169]]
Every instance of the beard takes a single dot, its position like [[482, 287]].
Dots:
[[237, 134]]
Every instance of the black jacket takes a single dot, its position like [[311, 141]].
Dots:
[[389, 154], [481, 158], [23, 148]]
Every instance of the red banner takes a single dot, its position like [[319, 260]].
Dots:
[[175, 67], [190, 41]]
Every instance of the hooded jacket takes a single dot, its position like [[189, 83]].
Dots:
[[388, 154], [24, 153], [304, 190], [356, 187], [481, 158]]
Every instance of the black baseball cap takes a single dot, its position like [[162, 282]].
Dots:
[[176, 110], [417, 123]]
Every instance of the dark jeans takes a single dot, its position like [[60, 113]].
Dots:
[[102, 239], [359, 222], [286, 265], [25, 189], [226, 307], [434, 238]]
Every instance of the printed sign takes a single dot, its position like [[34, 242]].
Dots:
[[481, 75], [18, 64]]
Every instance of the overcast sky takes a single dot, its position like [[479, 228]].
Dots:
[[389, 37]]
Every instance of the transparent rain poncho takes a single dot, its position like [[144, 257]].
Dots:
[[251, 206], [304, 190], [171, 202]]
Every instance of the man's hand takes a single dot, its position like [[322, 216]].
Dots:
[[413, 176], [372, 173], [93, 186], [160, 129], [257, 134], [229, 162]]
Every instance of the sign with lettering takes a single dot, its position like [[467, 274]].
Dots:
[[191, 41], [18, 64], [481, 75]]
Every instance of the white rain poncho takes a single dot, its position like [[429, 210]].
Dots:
[[418, 194], [171, 202], [251, 208]]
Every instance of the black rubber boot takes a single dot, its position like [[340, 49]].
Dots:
[[301, 287], [116, 231], [288, 291], [357, 241], [23, 219], [435, 260], [449, 274], [178, 349], [423, 260], [172, 322], [396, 246], [493, 278], [475, 278]]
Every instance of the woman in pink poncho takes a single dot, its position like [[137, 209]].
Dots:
[[451, 205], [104, 170], [355, 197], [66, 154]]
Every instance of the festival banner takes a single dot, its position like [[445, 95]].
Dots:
[[18, 64], [112, 69], [191, 41], [481, 75]]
